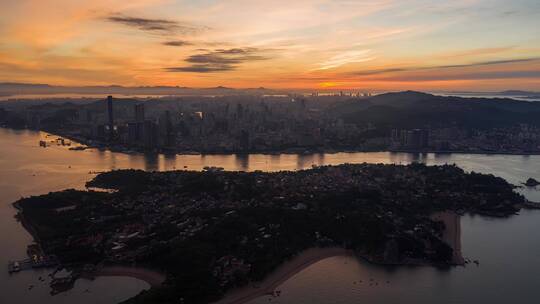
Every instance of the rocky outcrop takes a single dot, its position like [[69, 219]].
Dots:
[[531, 182]]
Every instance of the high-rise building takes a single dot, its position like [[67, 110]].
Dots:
[[167, 135], [111, 117], [239, 110], [134, 133], [84, 115], [417, 139], [3, 114], [150, 134], [139, 112], [244, 140]]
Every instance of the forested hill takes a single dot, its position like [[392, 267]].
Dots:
[[415, 109]]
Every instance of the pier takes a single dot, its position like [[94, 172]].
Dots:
[[31, 263]]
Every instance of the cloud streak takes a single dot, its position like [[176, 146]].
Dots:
[[177, 43], [477, 52], [346, 58], [159, 26], [493, 62], [454, 66], [515, 74], [220, 60]]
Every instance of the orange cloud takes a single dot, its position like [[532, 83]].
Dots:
[[385, 44]]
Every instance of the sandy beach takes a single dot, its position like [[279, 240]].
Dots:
[[452, 233], [151, 277], [281, 274]]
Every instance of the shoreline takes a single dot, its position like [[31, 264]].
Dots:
[[298, 150], [26, 223], [451, 235], [281, 274], [152, 277]]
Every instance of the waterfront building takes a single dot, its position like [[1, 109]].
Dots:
[[415, 139]]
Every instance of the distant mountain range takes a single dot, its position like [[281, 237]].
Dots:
[[519, 93], [8, 88], [13, 88], [501, 93]]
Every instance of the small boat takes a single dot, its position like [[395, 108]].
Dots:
[[14, 267]]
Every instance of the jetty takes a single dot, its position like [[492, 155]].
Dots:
[[32, 263]]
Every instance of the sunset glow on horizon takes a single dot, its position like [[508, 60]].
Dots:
[[482, 45]]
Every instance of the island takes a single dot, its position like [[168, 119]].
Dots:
[[214, 231]]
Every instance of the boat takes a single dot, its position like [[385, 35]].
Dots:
[[14, 267], [78, 148]]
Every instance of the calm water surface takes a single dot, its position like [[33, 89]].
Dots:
[[508, 250]]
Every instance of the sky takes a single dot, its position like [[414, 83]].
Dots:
[[458, 45]]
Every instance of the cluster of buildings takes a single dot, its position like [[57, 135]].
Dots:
[[252, 123], [415, 139], [522, 138], [245, 123], [513, 139], [126, 126]]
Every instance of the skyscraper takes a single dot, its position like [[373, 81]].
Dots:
[[417, 139], [167, 136], [139, 112], [111, 117]]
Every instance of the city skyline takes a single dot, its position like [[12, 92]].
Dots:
[[377, 45]]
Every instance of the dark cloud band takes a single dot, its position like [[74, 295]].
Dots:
[[476, 64], [177, 43], [161, 26], [220, 60]]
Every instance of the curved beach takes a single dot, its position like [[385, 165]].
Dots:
[[451, 234], [281, 274], [151, 277]]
